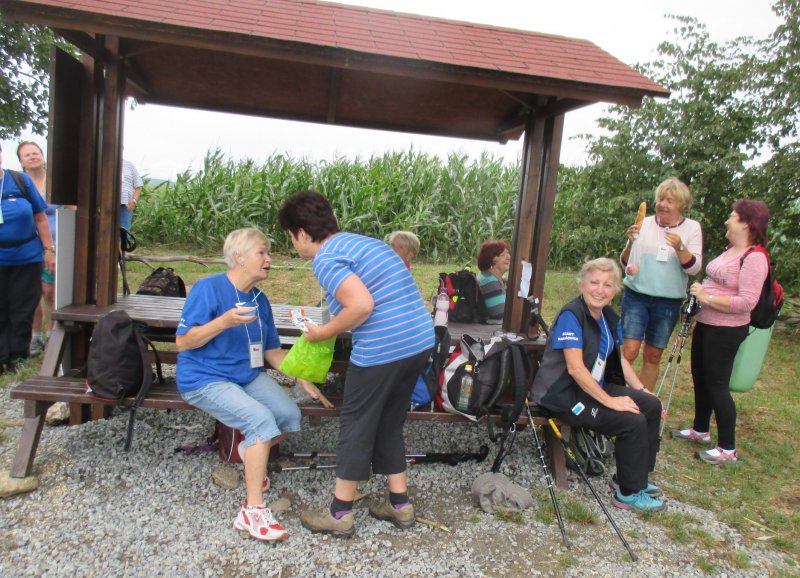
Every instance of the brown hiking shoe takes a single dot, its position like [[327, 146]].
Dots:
[[323, 522], [402, 518]]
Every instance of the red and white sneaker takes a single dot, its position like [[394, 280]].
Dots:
[[717, 456], [266, 482], [259, 523], [691, 435]]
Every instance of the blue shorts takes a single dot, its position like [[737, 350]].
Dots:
[[649, 319], [125, 217], [261, 409]]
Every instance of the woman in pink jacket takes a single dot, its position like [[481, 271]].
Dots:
[[727, 296]]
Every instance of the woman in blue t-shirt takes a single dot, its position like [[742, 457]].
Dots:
[[25, 242], [371, 293], [582, 378], [225, 334]]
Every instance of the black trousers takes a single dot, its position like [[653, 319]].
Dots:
[[637, 442], [374, 409], [713, 352], [20, 292]]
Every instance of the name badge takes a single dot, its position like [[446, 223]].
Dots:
[[663, 253], [598, 369], [256, 355]]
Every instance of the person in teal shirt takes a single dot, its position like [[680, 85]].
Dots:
[[494, 260]]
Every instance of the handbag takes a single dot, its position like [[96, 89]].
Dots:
[[310, 361]]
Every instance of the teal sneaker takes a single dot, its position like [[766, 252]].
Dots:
[[640, 501], [652, 490]]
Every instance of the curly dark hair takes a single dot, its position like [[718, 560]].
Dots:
[[310, 211], [489, 250], [755, 214]]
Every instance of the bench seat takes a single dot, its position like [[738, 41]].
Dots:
[[40, 392]]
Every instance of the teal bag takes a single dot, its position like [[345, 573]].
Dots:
[[306, 360]]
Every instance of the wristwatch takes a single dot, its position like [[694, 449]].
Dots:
[[710, 298], [681, 247], [51, 248]]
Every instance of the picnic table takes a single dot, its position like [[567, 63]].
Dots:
[[161, 315]]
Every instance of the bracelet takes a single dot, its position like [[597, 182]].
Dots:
[[710, 299], [51, 248]]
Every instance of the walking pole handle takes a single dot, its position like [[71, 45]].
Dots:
[[555, 429]]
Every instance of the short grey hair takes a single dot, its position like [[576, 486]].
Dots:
[[240, 242], [680, 192], [404, 240], [605, 265]]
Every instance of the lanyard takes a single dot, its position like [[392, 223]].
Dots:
[[258, 317], [608, 334], [2, 182]]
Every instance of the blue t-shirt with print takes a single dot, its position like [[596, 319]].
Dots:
[[18, 222], [227, 356], [567, 334], [400, 325]]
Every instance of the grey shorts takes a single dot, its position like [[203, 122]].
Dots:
[[376, 401]]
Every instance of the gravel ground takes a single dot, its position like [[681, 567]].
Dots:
[[153, 512]]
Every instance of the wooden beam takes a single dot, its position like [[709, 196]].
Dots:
[[108, 179], [531, 242], [333, 94]]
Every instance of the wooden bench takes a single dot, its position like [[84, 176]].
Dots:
[[39, 393]]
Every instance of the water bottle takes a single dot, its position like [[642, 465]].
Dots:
[[465, 391], [442, 307]]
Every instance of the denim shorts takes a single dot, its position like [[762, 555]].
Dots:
[[261, 409], [649, 319]]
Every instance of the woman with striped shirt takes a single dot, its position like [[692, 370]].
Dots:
[[371, 294]]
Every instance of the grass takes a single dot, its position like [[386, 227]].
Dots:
[[760, 495]]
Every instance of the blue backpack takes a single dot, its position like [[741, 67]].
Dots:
[[428, 382]]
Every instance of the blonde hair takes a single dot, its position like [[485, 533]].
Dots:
[[240, 242], [605, 265], [404, 240], [680, 192]]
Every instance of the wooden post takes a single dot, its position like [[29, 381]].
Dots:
[[531, 242]]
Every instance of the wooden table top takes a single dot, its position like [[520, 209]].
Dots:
[[166, 312]]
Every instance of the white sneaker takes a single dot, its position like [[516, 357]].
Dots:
[[260, 524]]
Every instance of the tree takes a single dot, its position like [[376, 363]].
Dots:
[[24, 76]]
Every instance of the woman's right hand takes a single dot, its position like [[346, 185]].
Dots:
[[236, 316], [633, 233]]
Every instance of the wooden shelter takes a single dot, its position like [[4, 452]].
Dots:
[[309, 61]]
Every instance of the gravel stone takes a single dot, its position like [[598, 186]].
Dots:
[[99, 511]]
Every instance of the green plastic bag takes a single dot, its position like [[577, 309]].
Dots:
[[307, 360]]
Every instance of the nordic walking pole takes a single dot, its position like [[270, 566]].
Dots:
[[688, 310], [572, 457], [548, 478]]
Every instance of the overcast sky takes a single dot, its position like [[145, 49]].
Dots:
[[163, 141]]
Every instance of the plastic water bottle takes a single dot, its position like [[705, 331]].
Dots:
[[442, 306], [465, 391]]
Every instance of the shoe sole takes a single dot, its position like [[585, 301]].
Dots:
[[714, 462], [685, 439], [245, 533], [335, 533], [624, 506], [397, 523], [614, 488]]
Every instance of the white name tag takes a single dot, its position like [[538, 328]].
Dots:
[[256, 355], [599, 367], [663, 253]]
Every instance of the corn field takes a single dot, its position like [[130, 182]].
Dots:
[[452, 205]]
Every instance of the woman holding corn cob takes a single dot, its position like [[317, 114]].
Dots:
[[661, 252]]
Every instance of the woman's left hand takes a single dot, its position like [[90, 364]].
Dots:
[[314, 334], [313, 391], [673, 240], [50, 262]]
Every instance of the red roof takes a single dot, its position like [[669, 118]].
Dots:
[[381, 32]]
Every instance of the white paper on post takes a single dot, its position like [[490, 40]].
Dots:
[[525, 279]]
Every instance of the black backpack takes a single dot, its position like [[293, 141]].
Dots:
[[466, 300], [592, 451], [118, 366], [768, 308], [163, 282]]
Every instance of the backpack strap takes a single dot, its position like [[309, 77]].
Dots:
[[17, 176], [147, 379]]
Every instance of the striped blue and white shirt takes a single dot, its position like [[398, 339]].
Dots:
[[400, 325]]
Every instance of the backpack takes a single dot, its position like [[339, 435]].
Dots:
[[118, 365], [466, 299], [228, 440], [501, 379], [768, 307], [163, 282], [428, 382], [592, 451]]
